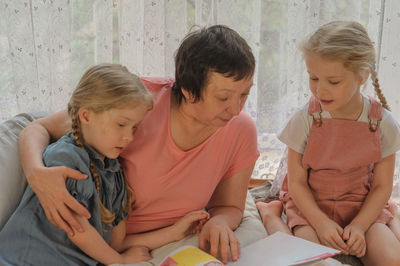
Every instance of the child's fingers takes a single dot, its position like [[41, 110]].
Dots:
[[338, 243], [346, 234], [357, 249], [197, 215], [357, 246]]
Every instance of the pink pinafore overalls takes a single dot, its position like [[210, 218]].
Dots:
[[340, 157]]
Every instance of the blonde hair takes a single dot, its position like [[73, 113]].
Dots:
[[348, 42], [101, 88]]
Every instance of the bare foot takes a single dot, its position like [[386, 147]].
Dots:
[[271, 216], [394, 209], [394, 224], [270, 209]]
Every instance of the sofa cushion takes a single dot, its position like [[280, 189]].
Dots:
[[12, 178]]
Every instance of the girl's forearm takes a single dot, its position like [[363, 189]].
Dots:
[[153, 239], [372, 207], [379, 194], [91, 242]]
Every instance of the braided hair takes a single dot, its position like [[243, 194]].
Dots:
[[103, 87]]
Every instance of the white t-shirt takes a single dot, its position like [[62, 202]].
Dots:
[[297, 130]]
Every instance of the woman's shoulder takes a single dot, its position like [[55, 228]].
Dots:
[[243, 118], [154, 84], [242, 123], [159, 88]]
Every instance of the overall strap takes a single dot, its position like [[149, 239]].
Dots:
[[375, 114], [315, 110]]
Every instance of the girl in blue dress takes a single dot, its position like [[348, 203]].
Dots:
[[105, 109]]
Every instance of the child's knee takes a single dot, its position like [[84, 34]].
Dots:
[[391, 260]]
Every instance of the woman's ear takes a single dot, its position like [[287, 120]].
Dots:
[[84, 115], [188, 96]]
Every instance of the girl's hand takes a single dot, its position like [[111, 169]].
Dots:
[[218, 236], [330, 234], [354, 236], [191, 223], [135, 254], [58, 204]]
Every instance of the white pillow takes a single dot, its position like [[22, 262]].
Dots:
[[12, 179]]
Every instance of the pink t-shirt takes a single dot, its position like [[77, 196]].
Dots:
[[169, 182]]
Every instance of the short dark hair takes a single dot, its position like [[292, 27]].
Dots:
[[216, 48]]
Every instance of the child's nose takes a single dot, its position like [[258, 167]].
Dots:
[[128, 136], [320, 88]]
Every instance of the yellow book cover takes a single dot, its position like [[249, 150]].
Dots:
[[190, 256]]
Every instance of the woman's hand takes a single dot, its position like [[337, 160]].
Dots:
[[215, 236], [191, 223], [354, 236], [330, 234], [135, 254], [58, 204]]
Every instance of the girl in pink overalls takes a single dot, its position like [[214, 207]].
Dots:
[[341, 153]]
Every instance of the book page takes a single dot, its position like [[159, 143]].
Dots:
[[282, 249]]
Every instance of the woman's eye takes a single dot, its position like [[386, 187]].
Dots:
[[334, 82], [121, 125], [313, 79], [223, 99]]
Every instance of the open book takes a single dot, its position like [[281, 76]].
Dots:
[[282, 249], [278, 249]]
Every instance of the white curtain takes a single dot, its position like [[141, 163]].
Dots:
[[46, 45]]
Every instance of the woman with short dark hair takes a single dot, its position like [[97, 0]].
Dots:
[[196, 149]]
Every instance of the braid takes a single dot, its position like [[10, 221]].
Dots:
[[76, 126], [378, 91], [130, 199], [106, 215]]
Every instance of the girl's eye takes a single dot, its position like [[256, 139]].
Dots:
[[245, 95], [313, 79], [121, 125], [334, 82], [223, 99]]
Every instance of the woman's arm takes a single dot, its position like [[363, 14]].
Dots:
[[49, 183], [226, 208], [101, 251], [329, 232], [157, 238]]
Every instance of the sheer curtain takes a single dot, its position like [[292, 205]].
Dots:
[[45, 46]]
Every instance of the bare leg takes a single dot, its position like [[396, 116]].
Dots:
[[394, 225], [382, 246], [306, 232], [271, 216]]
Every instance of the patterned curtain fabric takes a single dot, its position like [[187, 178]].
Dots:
[[46, 45]]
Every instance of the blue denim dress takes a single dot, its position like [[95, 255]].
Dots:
[[28, 238]]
